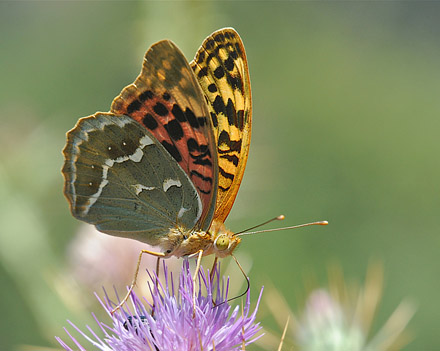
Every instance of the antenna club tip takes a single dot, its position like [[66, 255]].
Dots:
[[281, 217], [323, 222]]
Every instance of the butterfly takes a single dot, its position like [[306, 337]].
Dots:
[[164, 165]]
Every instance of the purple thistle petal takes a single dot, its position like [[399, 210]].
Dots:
[[172, 325]]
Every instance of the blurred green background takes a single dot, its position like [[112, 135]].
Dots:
[[346, 128]]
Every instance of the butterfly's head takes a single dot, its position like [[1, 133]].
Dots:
[[224, 241]]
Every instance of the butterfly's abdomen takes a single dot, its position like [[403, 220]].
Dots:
[[194, 242]]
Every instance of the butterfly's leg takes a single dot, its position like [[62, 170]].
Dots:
[[211, 274], [157, 270], [133, 283], [156, 285], [199, 261]]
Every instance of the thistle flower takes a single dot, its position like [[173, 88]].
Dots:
[[172, 325], [339, 317]]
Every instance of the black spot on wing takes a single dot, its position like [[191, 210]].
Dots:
[[235, 82], [219, 72], [172, 149], [203, 72], [214, 119], [192, 145], [149, 121], [225, 188], [191, 118], [174, 129], [201, 120], [202, 161], [219, 105], [223, 139], [229, 47], [230, 113], [204, 191], [230, 158], [209, 58], [212, 88], [219, 38], [204, 150], [160, 109], [219, 46], [226, 174], [210, 44], [134, 106], [178, 113], [240, 119], [237, 47], [199, 153], [146, 95], [229, 63], [201, 176], [201, 57]]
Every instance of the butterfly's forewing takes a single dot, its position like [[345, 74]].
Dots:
[[167, 100], [221, 68], [121, 179]]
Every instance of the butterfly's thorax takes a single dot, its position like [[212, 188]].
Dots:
[[194, 241]]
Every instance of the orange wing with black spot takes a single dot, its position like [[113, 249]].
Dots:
[[221, 68], [167, 100]]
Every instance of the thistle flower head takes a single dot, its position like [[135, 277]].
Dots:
[[169, 322], [339, 317], [325, 326]]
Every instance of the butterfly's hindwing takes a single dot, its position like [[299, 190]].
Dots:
[[221, 68], [121, 179], [167, 99]]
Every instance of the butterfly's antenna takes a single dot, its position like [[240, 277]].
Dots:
[[279, 218], [245, 276], [284, 228], [247, 281]]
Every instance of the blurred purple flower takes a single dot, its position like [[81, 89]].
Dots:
[[172, 326], [340, 316]]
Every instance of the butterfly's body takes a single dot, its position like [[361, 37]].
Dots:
[[187, 243], [165, 164]]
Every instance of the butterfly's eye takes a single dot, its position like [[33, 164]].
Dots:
[[221, 243]]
